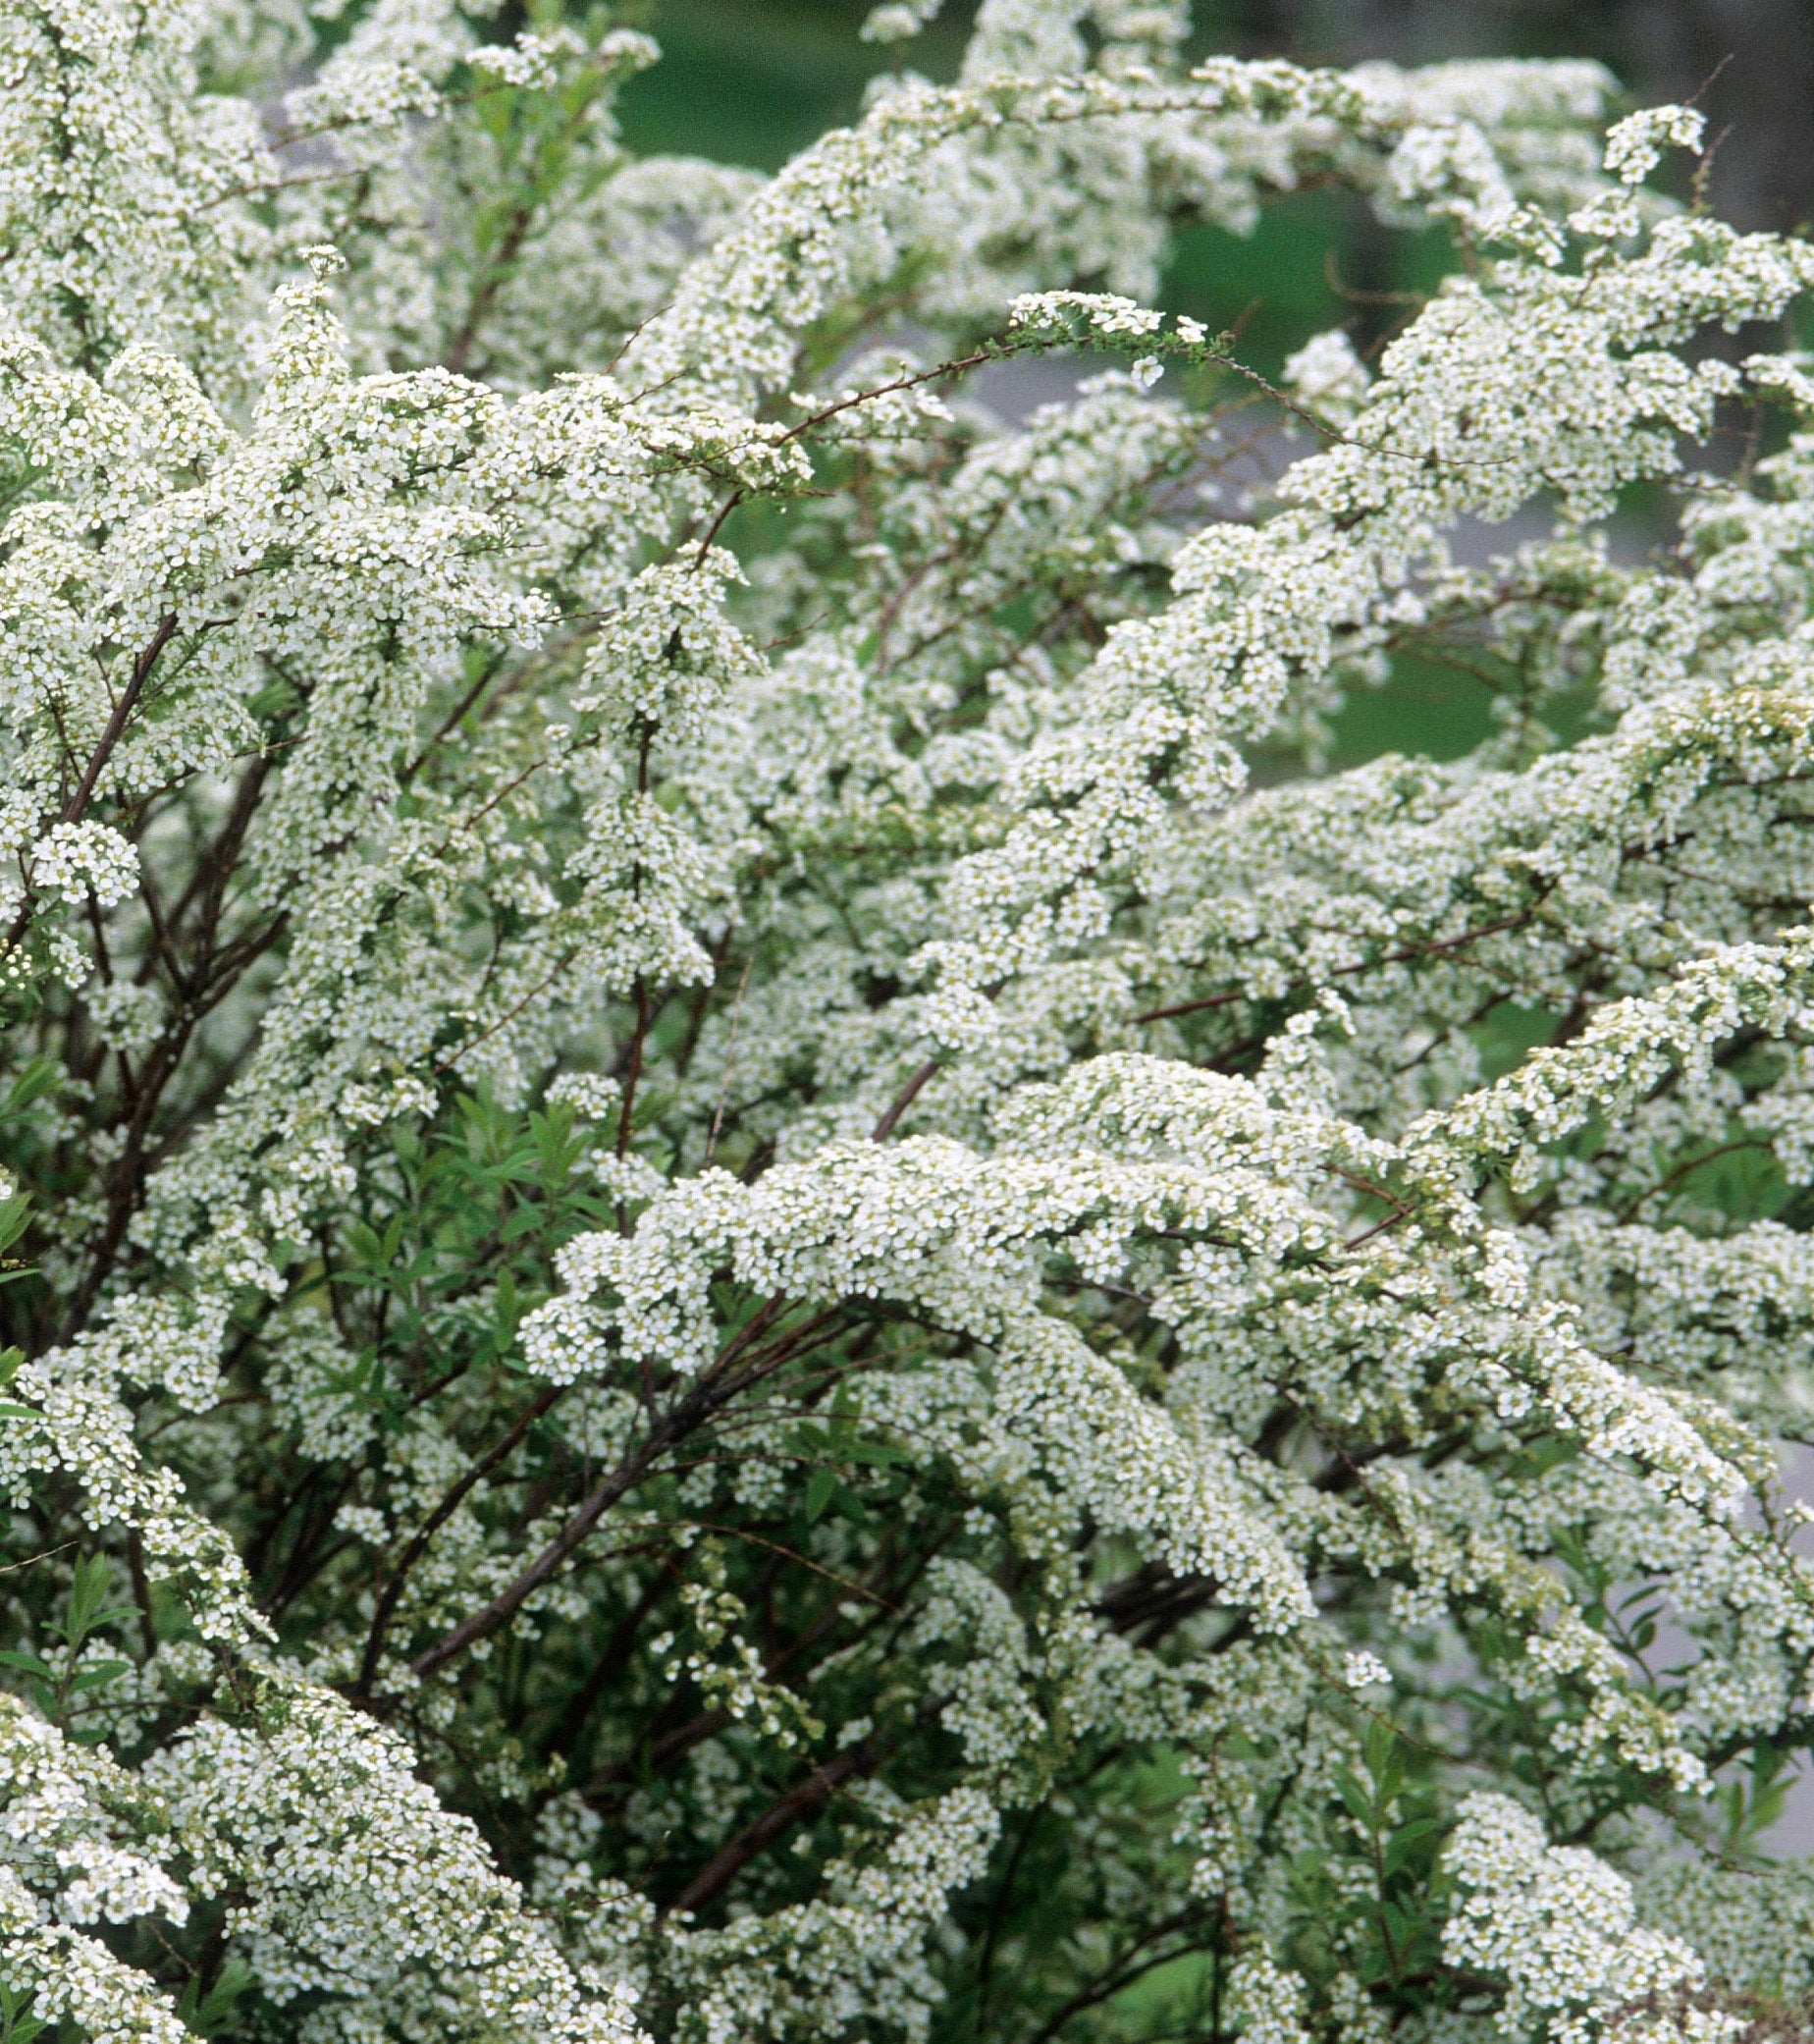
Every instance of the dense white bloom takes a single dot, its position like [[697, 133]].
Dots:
[[748, 1305], [1555, 1921]]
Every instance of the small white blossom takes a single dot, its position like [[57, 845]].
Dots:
[[1362, 1669]]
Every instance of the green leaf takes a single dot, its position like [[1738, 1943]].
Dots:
[[878, 1454], [208, 2013], [1410, 1843], [1376, 1746], [507, 1308], [88, 1609], [218, 2004], [26, 1663], [17, 2025], [1356, 1796], [34, 1082], [98, 1676], [819, 1491]]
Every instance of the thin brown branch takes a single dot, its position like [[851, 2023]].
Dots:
[[117, 722], [902, 1100], [804, 1799], [78, 803], [432, 1525], [715, 1390], [1409, 955]]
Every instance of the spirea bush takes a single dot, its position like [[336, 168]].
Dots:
[[769, 1281]]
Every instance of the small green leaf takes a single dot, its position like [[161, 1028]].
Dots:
[[1356, 1796], [1376, 1746], [37, 1080], [92, 1578], [15, 1218], [1410, 1843], [207, 2013], [98, 1676], [819, 1493], [877, 1454], [18, 2025], [218, 2004]]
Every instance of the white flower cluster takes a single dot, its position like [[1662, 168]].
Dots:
[[1558, 1922], [349, 1879], [778, 1266]]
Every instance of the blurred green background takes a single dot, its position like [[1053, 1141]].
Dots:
[[752, 80]]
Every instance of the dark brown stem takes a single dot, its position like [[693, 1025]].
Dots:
[[116, 724], [510, 245], [1405, 957], [667, 1749], [78, 803], [802, 1801], [487, 676], [715, 1390], [999, 351], [1191, 1007], [717, 526], [141, 1589], [450, 1059], [902, 1100], [817, 418], [432, 1525], [617, 1652], [125, 1183], [1128, 1969], [627, 1114], [459, 349], [208, 885]]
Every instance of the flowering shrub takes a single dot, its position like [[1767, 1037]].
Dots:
[[744, 1309]]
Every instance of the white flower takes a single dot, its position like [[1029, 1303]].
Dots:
[[1362, 1669]]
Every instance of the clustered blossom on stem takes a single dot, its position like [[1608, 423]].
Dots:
[[779, 1269]]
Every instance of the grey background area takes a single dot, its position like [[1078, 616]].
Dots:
[[1750, 62]]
